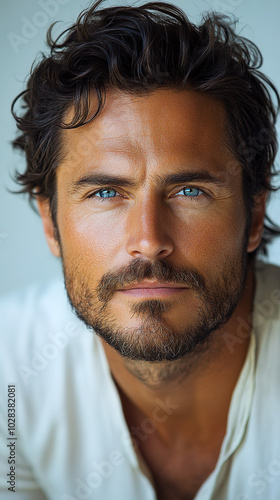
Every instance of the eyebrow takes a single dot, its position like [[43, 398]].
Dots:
[[163, 181]]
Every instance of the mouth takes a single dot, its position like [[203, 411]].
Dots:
[[152, 289]]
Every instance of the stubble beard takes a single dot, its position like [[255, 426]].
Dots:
[[155, 340]]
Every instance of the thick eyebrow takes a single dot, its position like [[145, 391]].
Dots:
[[102, 180], [163, 181], [190, 176]]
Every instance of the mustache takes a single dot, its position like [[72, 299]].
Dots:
[[138, 270]]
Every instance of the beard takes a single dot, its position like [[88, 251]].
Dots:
[[155, 340]]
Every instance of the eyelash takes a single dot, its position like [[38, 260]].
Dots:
[[193, 187], [108, 188]]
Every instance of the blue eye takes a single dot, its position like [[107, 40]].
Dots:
[[192, 192], [106, 193]]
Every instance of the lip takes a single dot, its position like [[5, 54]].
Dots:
[[152, 289]]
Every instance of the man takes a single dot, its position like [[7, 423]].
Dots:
[[150, 145]]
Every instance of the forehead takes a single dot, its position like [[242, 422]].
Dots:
[[160, 128]]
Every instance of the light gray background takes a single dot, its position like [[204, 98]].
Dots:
[[24, 254]]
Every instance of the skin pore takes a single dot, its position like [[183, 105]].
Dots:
[[179, 204]]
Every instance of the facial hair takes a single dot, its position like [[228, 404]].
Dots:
[[155, 339]]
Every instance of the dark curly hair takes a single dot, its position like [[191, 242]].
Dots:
[[138, 50]]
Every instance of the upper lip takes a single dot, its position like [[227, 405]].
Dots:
[[153, 284]]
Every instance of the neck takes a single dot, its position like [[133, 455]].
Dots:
[[197, 388]]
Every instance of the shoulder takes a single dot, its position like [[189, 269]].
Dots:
[[55, 366], [264, 422], [267, 296], [36, 324], [266, 320], [37, 308], [41, 296]]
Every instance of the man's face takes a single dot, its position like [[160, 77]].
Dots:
[[152, 223]]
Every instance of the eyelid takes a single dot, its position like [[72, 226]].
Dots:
[[203, 191], [105, 188], [118, 191]]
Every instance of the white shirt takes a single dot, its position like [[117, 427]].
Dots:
[[72, 438]]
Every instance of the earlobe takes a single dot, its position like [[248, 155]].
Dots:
[[49, 228], [256, 229]]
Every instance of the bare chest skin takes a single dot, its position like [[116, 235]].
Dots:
[[178, 474], [178, 469]]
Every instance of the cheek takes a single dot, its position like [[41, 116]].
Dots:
[[210, 240], [91, 239]]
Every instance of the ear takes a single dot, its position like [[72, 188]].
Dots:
[[49, 228], [256, 229]]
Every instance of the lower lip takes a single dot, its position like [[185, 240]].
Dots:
[[153, 292]]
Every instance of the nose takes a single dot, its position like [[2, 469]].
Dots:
[[147, 230]]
